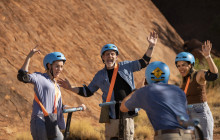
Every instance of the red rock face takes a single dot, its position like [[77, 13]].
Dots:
[[194, 46], [194, 19]]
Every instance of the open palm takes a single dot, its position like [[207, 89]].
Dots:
[[206, 48], [33, 51], [152, 39]]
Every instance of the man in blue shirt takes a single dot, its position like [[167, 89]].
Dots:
[[163, 103], [124, 85]]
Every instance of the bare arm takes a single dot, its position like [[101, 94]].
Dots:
[[66, 84], [152, 39], [123, 108], [206, 50], [28, 58]]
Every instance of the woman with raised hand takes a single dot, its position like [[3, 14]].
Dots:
[[47, 93], [194, 86]]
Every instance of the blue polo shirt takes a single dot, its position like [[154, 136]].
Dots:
[[45, 91], [162, 103]]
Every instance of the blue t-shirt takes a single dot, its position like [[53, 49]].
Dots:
[[162, 103]]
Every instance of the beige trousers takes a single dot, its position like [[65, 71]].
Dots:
[[175, 136], [112, 129]]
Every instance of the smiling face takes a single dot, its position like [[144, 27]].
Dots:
[[183, 67], [109, 57], [57, 68]]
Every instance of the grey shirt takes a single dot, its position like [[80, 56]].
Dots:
[[45, 90]]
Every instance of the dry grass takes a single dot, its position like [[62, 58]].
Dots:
[[213, 96], [24, 136], [143, 127], [85, 130]]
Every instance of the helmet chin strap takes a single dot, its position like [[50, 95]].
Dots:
[[51, 71], [190, 72]]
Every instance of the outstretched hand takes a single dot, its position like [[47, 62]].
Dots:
[[83, 106], [152, 39], [64, 83], [33, 51], [206, 48]]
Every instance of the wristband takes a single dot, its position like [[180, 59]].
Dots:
[[146, 58], [207, 56]]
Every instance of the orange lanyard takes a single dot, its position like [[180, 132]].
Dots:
[[187, 85], [55, 101], [56, 98], [114, 75]]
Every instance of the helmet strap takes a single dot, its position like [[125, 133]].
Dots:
[[50, 70], [191, 70], [190, 74]]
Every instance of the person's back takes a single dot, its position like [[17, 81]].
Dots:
[[163, 103]]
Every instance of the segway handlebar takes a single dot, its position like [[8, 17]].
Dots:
[[70, 111], [194, 123], [107, 103], [190, 122], [74, 109]]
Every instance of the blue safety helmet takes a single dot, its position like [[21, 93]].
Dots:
[[157, 72], [51, 57], [185, 56], [109, 47]]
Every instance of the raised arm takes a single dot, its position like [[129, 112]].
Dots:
[[152, 39], [28, 58], [206, 49], [22, 73], [212, 73]]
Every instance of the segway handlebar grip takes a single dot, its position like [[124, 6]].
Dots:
[[73, 109], [107, 103], [190, 122]]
